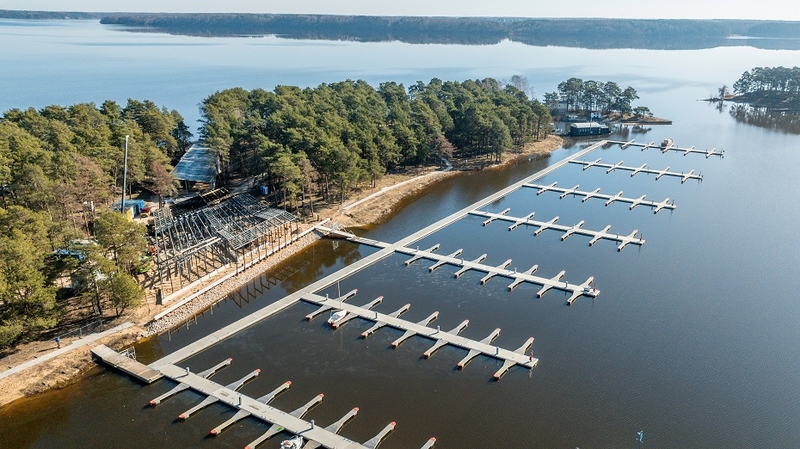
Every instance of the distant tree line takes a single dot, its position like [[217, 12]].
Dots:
[[60, 167], [334, 137], [568, 32], [594, 96]]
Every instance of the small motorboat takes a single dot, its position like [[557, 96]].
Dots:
[[296, 442], [336, 318]]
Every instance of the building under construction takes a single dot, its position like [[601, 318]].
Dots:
[[216, 230]]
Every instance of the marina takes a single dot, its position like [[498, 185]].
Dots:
[[341, 311]]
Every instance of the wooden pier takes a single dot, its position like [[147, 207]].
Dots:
[[441, 338], [670, 147], [642, 169], [656, 205]]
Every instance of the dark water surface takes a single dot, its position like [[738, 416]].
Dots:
[[694, 338]]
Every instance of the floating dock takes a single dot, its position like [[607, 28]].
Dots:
[[441, 338], [624, 240], [657, 206], [257, 408], [684, 176], [670, 147]]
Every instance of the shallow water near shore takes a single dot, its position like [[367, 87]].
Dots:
[[693, 339]]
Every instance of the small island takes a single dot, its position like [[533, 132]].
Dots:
[[773, 88]]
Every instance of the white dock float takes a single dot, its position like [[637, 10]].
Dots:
[[429, 250], [658, 173], [410, 333], [574, 229], [214, 398], [381, 324], [182, 386], [569, 192], [466, 268], [554, 281], [376, 440], [324, 309], [474, 352], [242, 414], [505, 211], [429, 444], [259, 410], [441, 338], [522, 220], [439, 343], [335, 427], [503, 265], [442, 261], [670, 147], [519, 280], [616, 197], [350, 316], [276, 429], [507, 365]]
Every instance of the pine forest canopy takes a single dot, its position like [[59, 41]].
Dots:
[[769, 87], [58, 163], [348, 133]]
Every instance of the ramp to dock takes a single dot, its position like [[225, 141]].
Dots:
[[126, 364]]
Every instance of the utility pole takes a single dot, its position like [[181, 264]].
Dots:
[[124, 175]]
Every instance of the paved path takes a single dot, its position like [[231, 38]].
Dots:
[[80, 343]]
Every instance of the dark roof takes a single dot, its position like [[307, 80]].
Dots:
[[198, 164], [588, 125]]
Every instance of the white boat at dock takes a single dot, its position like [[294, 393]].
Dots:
[[336, 318]]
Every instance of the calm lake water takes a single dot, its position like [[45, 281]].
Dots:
[[695, 338]]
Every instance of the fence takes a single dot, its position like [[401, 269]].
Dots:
[[91, 328]]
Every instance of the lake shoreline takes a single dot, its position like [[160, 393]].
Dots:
[[70, 367]]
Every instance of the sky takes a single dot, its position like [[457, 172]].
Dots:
[[638, 9]]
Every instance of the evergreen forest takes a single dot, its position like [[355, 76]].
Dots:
[[61, 168]]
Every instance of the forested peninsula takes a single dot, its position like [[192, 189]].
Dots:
[[567, 32], [61, 169]]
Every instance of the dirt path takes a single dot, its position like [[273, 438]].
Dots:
[[68, 367]]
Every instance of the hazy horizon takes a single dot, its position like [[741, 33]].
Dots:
[[634, 9]]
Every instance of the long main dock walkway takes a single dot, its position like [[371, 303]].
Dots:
[[474, 347], [657, 206], [255, 317]]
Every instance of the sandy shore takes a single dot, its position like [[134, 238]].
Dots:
[[68, 368]]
